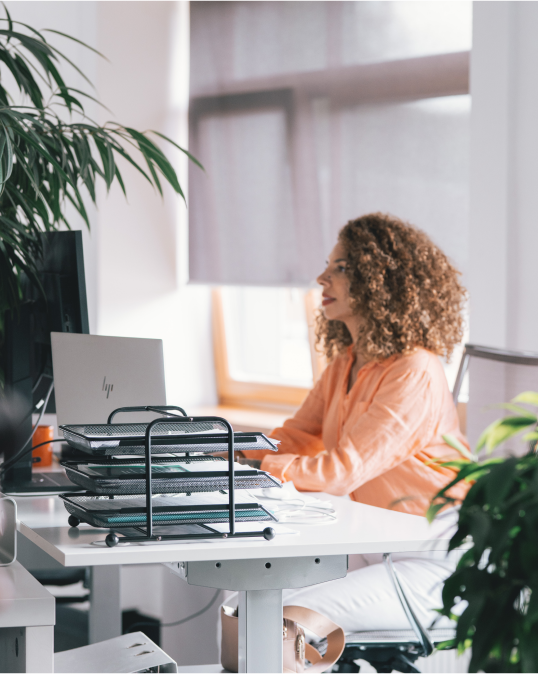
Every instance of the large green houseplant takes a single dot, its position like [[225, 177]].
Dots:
[[47, 162], [498, 574]]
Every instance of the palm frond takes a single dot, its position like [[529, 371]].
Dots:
[[47, 163]]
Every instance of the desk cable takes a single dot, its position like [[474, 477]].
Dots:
[[42, 405], [8, 464], [299, 511], [178, 622]]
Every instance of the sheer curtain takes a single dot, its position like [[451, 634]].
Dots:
[[307, 114]]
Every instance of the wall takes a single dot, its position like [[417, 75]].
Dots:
[[504, 175], [142, 243]]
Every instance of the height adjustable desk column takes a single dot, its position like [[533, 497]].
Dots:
[[260, 583]]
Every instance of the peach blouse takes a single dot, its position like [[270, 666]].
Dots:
[[376, 441]]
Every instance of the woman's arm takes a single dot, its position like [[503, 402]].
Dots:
[[302, 433], [397, 424]]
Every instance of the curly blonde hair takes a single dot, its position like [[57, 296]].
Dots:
[[405, 289]]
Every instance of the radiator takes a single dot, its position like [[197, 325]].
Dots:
[[445, 661], [440, 662]]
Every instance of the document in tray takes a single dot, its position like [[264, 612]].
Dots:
[[164, 470], [127, 511]]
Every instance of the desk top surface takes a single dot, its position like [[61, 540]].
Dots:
[[358, 529]]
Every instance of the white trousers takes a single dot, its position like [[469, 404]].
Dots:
[[366, 600]]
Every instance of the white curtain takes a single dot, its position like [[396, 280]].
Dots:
[[308, 114]]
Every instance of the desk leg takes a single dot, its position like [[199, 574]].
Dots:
[[259, 583], [40, 649], [260, 631], [105, 605]]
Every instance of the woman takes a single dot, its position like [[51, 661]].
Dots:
[[392, 304]]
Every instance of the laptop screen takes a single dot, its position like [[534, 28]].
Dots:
[[94, 375]]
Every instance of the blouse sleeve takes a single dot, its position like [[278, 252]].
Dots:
[[302, 433], [397, 424]]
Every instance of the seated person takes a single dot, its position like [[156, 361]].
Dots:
[[392, 304]]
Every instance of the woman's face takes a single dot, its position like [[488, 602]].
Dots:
[[336, 302]]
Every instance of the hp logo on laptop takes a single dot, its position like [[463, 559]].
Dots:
[[107, 387]]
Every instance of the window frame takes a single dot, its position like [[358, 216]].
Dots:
[[238, 393]]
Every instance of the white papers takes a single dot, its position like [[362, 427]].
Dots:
[[295, 507]]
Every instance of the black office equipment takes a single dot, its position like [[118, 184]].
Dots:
[[58, 306], [117, 508], [170, 475], [129, 511], [192, 436]]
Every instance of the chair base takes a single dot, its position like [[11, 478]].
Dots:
[[382, 659]]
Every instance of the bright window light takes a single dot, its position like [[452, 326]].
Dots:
[[267, 335]]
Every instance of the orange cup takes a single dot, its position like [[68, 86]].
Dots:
[[42, 434]]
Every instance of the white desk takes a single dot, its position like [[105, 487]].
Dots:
[[259, 569]]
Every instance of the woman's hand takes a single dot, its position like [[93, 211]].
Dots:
[[253, 463], [238, 454]]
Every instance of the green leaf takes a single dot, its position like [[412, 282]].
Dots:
[[502, 429], [74, 39], [458, 446], [517, 409], [498, 481], [47, 163], [189, 155], [529, 397], [433, 511]]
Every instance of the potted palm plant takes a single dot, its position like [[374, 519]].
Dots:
[[47, 162], [498, 524]]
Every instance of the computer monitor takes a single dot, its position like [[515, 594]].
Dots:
[[60, 305], [94, 375]]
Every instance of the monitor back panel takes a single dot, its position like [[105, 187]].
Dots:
[[94, 375]]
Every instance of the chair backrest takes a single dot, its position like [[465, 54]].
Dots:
[[495, 376]]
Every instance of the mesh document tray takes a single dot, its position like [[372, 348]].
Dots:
[[194, 436], [100, 511], [179, 476]]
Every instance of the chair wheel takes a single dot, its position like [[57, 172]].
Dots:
[[111, 540], [347, 666], [73, 521], [269, 533]]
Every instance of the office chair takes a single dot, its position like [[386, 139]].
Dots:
[[388, 650], [495, 376]]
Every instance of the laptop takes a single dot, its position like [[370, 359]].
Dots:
[[94, 375]]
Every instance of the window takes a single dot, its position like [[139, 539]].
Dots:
[[306, 114], [265, 350], [264, 344]]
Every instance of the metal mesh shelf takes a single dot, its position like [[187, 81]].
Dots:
[[118, 439], [170, 479], [128, 512], [132, 493]]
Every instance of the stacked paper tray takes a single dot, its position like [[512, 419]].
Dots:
[[124, 511], [173, 476], [195, 436]]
